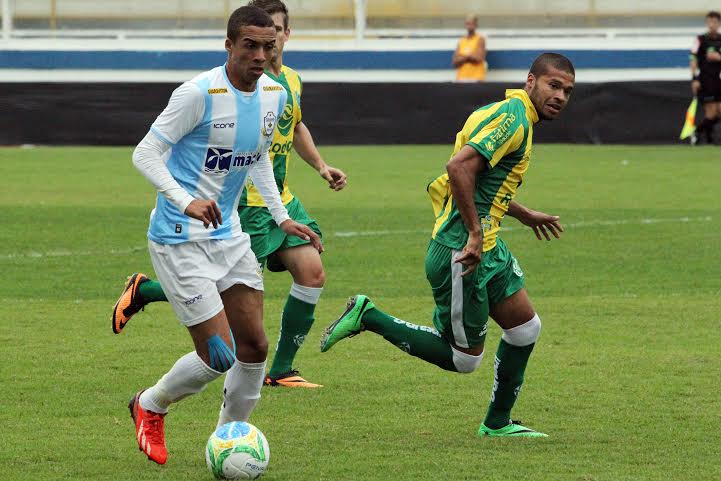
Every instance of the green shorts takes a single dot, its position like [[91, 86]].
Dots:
[[267, 238], [462, 303]]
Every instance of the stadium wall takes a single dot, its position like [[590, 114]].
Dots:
[[342, 113], [343, 60]]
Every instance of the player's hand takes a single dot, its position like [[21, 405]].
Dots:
[[292, 227], [542, 224], [713, 56], [336, 178], [695, 87], [206, 211], [471, 254]]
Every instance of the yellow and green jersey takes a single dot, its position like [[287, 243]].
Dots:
[[282, 140], [502, 133]]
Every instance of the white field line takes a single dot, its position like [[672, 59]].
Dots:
[[371, 233], [68, 253], [592, 223]]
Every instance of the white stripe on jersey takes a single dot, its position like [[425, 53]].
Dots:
[[213, 152]]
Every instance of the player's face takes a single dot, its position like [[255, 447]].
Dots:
[[712, 23], [550, 92], [248, 54], [470, 24], [281, 33]]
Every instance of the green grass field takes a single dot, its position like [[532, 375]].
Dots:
[[623, 378]]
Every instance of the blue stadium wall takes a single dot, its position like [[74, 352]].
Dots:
[[343, 113], [336, 60]]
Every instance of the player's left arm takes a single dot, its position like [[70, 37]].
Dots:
[[540, 222], [261, 173], [479, 55], [305, 146]]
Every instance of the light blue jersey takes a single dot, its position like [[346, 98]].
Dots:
[[217, 135]]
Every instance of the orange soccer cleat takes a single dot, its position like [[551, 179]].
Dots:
[[289, 379], [129, 302], [149, 431]]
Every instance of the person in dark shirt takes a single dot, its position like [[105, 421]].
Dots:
[[706, 71]]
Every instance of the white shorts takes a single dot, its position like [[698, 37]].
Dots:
[[193, 274]]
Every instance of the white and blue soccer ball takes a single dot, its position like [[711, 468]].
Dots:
[[237, 450]]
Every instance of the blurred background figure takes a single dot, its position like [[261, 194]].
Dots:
[[469, 59], [706, 72]]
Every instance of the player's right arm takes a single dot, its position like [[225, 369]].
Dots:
[[493, 139], [458, 59], [463, 169], [180, 117]]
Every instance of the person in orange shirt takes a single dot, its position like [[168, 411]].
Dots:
[[469, 59]]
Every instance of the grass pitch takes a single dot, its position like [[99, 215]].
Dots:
[[623, 377]]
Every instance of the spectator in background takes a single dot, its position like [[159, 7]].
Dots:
[[469, 60], [706, 72]]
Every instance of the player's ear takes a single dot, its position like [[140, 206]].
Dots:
[[287, 34], [530, 81], [228, 44]]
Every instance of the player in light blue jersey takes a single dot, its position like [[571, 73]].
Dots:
[[214, 133]]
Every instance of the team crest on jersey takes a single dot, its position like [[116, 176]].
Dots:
[[217, 161], [269, 124], [486, 223]]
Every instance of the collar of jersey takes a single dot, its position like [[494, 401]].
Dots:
[[522, 95], [239, 93], [273, 76]]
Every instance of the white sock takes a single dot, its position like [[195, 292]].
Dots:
[[188, 375], [241, 391]]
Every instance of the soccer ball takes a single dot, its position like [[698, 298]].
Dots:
[[237, 450]]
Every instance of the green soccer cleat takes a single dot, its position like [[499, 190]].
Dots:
[[348, 324], [515, 428]]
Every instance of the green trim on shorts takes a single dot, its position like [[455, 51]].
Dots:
[[463, 303], [267, 238]]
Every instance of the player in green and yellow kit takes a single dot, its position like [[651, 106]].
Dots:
[[471, 271], [270, 244]]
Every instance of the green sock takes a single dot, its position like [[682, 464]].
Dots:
[[420, 341], [151, 291], [294, 325], [510, 364]]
